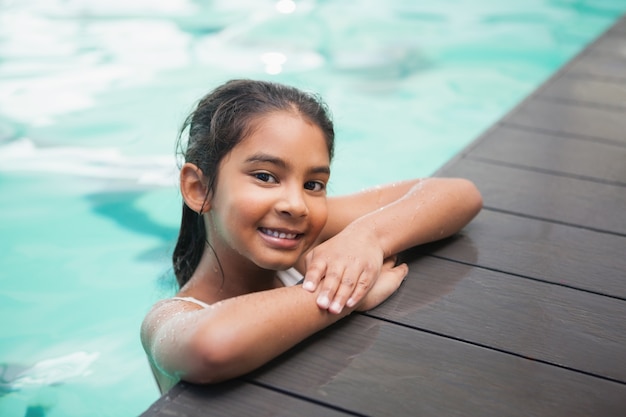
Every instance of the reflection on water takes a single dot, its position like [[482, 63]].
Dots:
[[52, 371]]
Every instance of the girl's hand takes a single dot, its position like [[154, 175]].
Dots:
[[391, 276], [346, 266]]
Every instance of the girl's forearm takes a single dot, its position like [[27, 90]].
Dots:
[[432, 209], [237, 335]]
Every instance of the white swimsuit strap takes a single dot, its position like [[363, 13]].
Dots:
[[192, 300], [289, 277]]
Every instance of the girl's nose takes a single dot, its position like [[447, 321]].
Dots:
[[292, 203]]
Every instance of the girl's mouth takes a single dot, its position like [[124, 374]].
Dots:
[[278, 234]]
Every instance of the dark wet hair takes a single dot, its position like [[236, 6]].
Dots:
[[222, 119]]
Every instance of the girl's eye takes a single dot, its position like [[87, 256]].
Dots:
[[314, 186], [265, 177]]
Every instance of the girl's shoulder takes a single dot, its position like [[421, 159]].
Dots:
[[165, 310], [192, 300]]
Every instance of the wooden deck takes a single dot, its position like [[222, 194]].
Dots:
[[522, 314]]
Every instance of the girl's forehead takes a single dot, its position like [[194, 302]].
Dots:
[[285, 128], [277, 118]]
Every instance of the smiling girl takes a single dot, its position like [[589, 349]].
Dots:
[[256, 220]]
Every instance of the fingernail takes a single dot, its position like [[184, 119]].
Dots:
[[323, 301], [308, 285], [350, 303], [336, 308]]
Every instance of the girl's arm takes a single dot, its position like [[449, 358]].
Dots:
[[237, 335], [367, 227]]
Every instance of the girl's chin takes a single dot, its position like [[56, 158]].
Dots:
[[280, 260], [276, 266], [280, 263]]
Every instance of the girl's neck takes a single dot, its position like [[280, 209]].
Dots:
[[215, 281]]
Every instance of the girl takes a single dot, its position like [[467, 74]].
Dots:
[[256, 218]]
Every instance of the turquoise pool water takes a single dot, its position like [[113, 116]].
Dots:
[[91, 95]]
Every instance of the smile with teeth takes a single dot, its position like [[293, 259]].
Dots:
[[280, 235]]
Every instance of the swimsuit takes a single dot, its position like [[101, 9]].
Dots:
[[192, 300], [289, 278]]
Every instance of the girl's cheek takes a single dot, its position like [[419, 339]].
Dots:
[[321, 215]]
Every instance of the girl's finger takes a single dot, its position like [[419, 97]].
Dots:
[[330, 283], [391, 260], [402, 269], [396, 277], [398, 274], [349, 281], [313, 275], [387, 283], [361, 288]]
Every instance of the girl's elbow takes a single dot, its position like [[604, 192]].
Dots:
[[476, 198], [215, 361], [471, 197]]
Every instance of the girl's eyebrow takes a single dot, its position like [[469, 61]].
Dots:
[[263, 157], [281, 163]]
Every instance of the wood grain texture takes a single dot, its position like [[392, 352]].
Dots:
[[590, 160], [619, 26], [562, 199], [597, 64], [586, 91], [605, 58], [569, 119], [612, 43], [542, 250], [547, 322], [382, 369], [235, 398]]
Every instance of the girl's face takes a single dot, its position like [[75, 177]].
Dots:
[[269, 203]]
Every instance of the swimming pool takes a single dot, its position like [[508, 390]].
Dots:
[[91, 95]]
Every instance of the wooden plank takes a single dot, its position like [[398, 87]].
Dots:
[[592, 160], [598, 65], [586, 91], [378, 368], [564, 118], [612, 43], [542, 250], [234, 398], [562, 199], [619, 26], [603, 58], [547, 322]]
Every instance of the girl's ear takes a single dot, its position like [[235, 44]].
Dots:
[[193, 187]]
